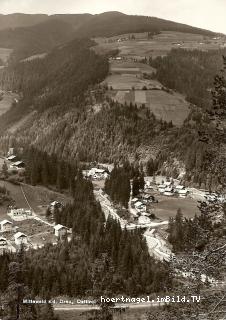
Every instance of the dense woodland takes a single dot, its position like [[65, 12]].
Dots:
[[118, 185], [40, 38], [49, 170], [59, 79], [190, 72]]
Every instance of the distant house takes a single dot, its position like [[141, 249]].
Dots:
[[181, 191], [20, 212], [18, 164], [97, 173], [60, 230], [162, 188], [12, 158], [20, 238], [168, 191], [6, 226], [3, 242]]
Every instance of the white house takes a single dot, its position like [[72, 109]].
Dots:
[[60, 230], [6, 226], [162, 188], [12, 158], [183, 193], [20, 238], [97, 173], [18, 164], [168, 191], [20, 212], [3, 242]]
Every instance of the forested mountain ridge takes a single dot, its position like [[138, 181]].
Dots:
[[60, 78], [21, 31], [40, 38]]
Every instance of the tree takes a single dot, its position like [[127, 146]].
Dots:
[[5, 170]]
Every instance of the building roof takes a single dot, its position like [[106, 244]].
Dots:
[[169, 189], [179, 187], [3, 222], [182, 191], [2, 239], [17, 163], [19, 235], [59, 227], [54, 203], [11, 157], [138, 204]]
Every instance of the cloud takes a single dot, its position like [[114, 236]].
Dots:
[[206, 14]]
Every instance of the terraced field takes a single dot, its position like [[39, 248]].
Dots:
[[161, 44]]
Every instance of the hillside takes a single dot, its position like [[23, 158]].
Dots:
[[114, 23], [31, 34], [26, 41], [60, 78]]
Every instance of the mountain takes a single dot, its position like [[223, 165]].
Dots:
[[36, 39], [17, 20], [115, 23], [33, 34]]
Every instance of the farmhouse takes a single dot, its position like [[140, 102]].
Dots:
[[60, 230], [3, 242], [162, 188], [96, 173], [20, 212], [20, 238], [12, 158], [6, 226], [18, 164], [168, 191]]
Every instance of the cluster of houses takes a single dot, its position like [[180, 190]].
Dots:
[[140, 205], [15, 163], [169, 189], [19, 238], [96, 173]]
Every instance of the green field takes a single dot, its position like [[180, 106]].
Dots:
[[161, 44], [168, 206], [38, 197], [166, 106]]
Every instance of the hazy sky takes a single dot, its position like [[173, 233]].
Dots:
[[208, 14]]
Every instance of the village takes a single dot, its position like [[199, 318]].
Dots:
[[24, 226], [149, 211]]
